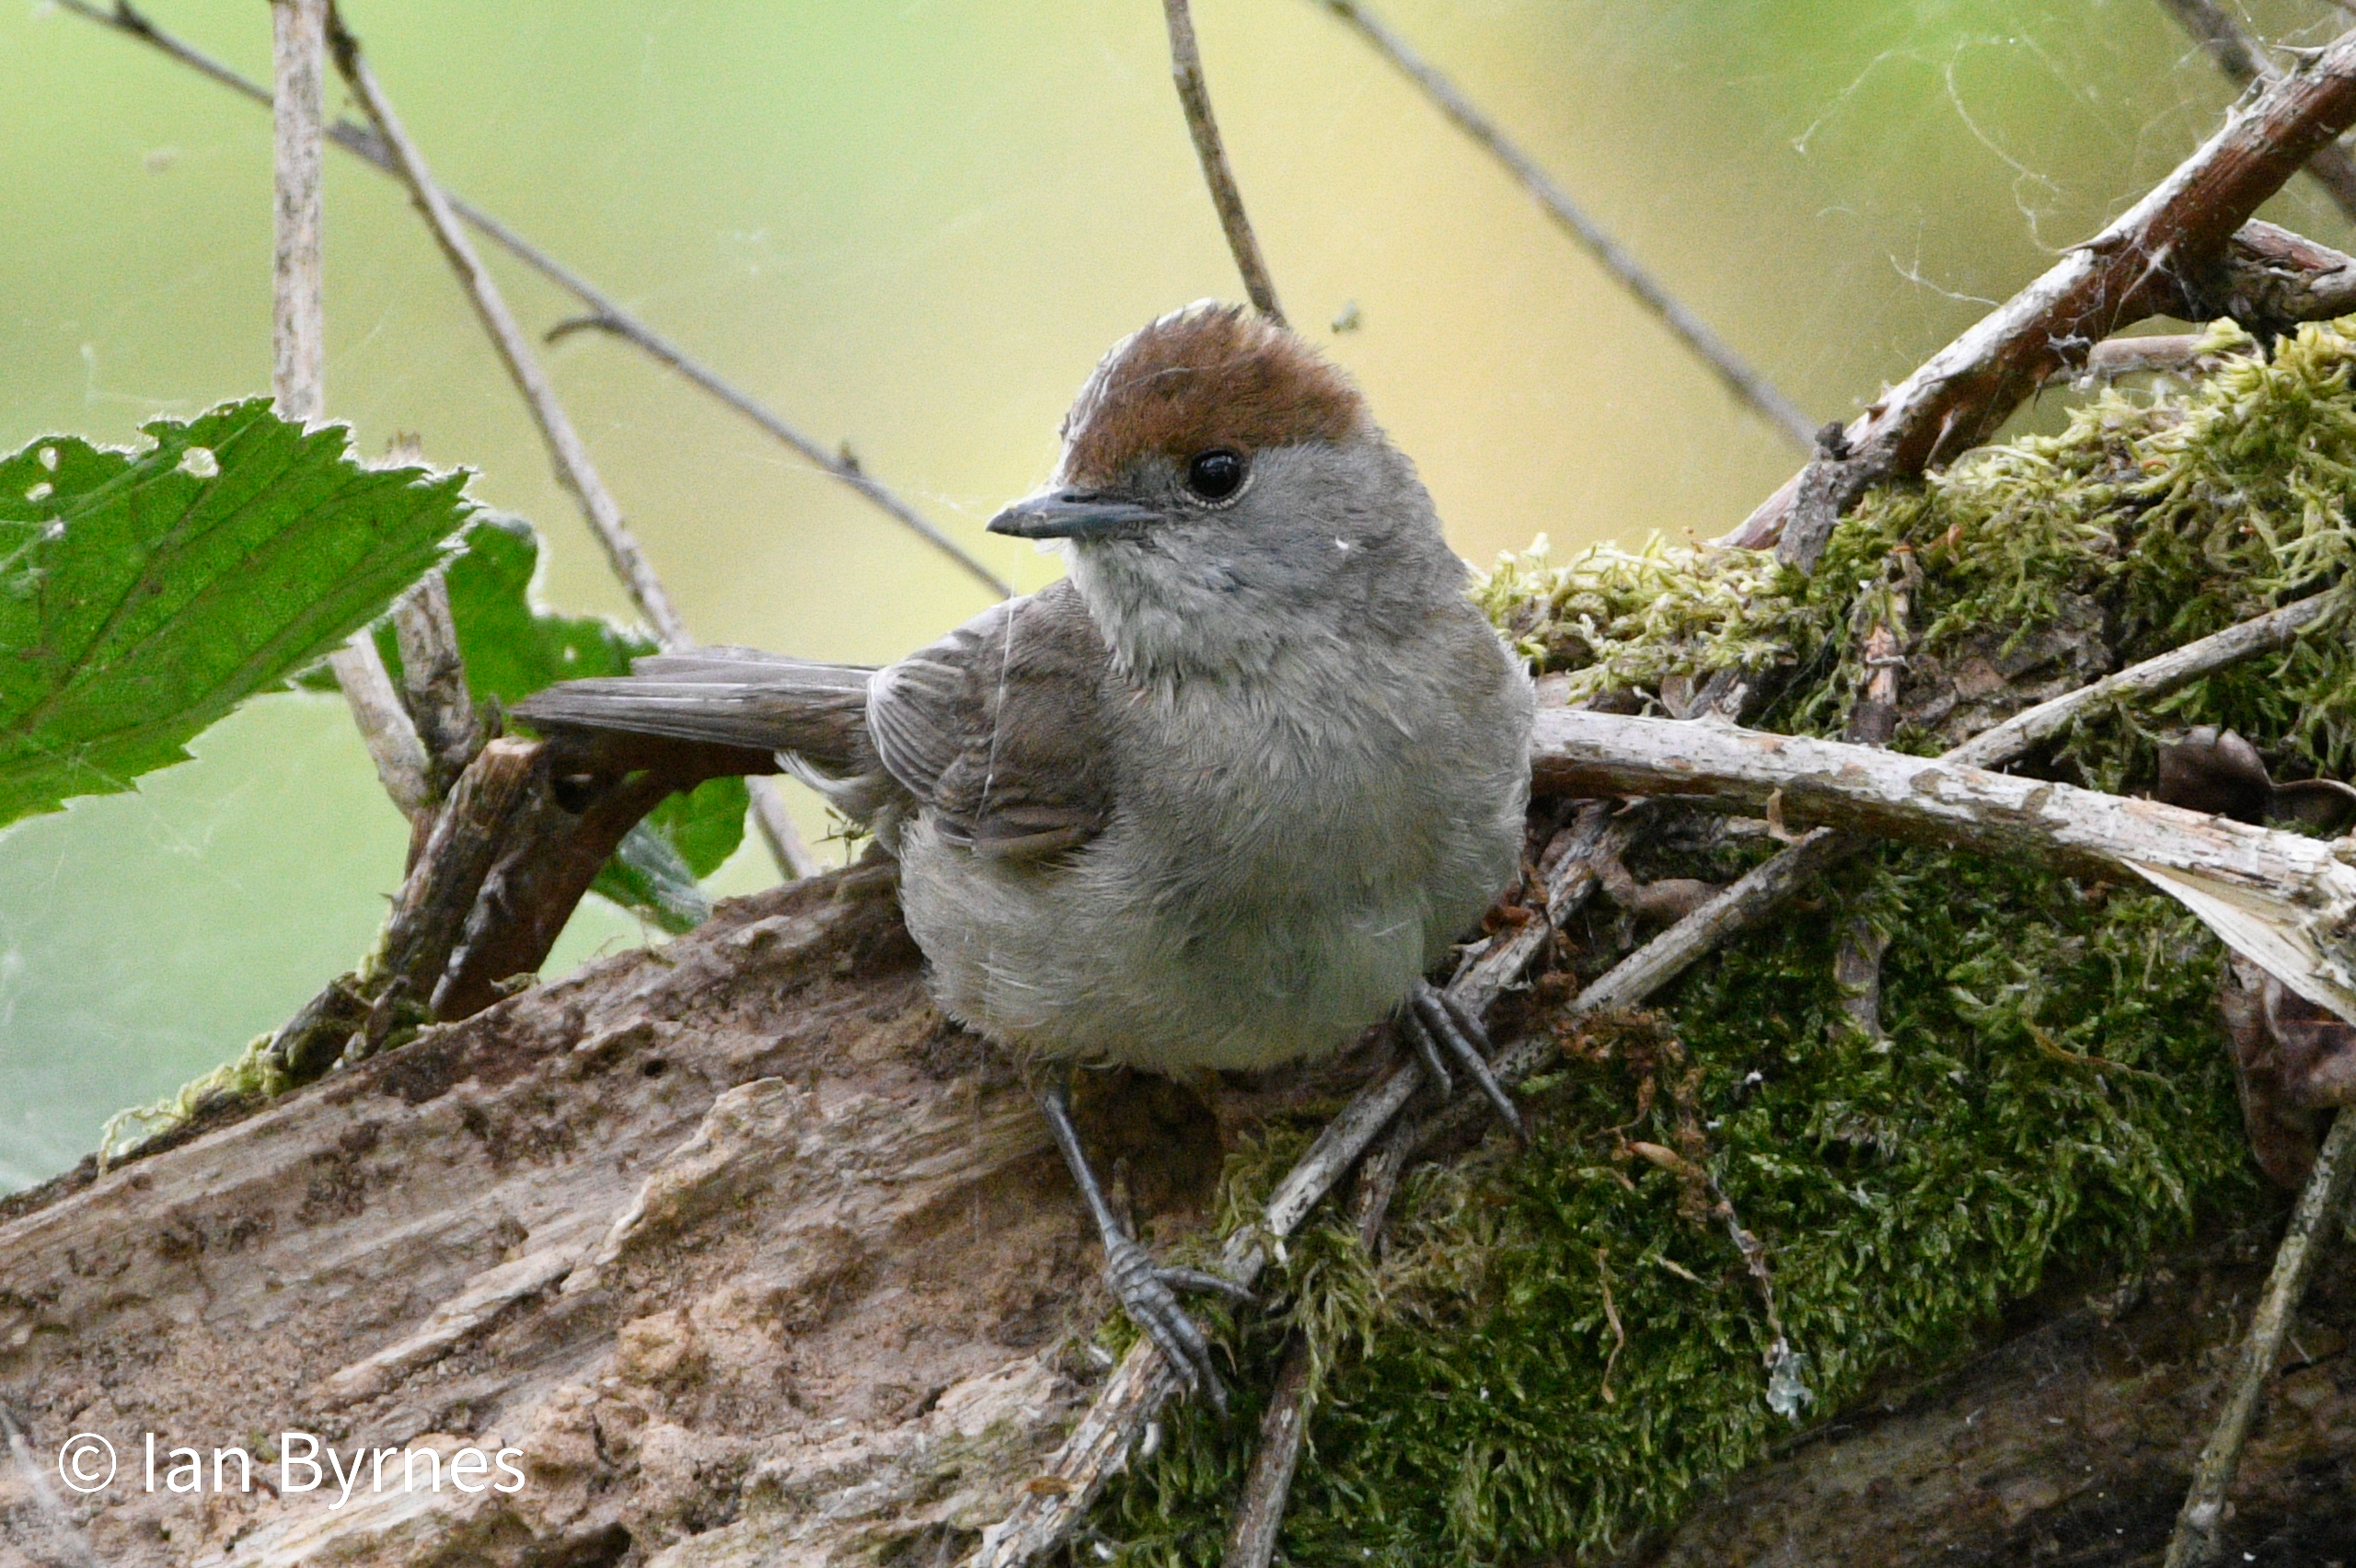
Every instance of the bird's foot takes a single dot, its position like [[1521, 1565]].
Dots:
[[1441, 1030], [1149, 1291]]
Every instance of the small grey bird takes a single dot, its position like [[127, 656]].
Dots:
[[1222, 796]]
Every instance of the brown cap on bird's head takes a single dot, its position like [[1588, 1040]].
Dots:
[[1207, 376]]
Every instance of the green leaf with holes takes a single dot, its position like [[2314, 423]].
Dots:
[[143, 595]]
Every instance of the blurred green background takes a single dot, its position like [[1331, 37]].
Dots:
[[914, 228]]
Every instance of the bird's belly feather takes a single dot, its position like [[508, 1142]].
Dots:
[[1174, 941]]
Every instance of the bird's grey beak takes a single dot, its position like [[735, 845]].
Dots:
[[1070, 514]]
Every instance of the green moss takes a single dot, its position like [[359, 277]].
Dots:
[[2053, 1097], [251, 1073]]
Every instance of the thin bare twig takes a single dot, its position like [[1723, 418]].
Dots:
[[603, 311], [1194, 97], [2279, 899], [2243, 60], [385, 727], [1251, 1541], [1745, 383], [574, 466], [2173, 353], [1107, 1435], [298, 318], [2197, 1541], [298, 359], [435, 675], [604, 317], [2155, 676]]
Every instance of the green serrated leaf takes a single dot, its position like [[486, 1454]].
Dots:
[[144, 594], [512, 649]]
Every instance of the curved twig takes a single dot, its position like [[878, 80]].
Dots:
[[1194, 96], [358, 141], [1745, 383]]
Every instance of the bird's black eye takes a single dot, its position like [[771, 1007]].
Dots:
[[1215, 476]]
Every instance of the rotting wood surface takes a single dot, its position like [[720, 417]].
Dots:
[[749, 1253], [758, 1260]]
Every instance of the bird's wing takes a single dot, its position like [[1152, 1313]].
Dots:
[[998, 727]]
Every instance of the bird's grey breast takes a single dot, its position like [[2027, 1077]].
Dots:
[[1194, 871]]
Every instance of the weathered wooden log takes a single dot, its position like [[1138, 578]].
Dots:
[[750, 1254], [757, 1261]]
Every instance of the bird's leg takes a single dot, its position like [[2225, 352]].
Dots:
[[1147, 1289], [1438, 1026]]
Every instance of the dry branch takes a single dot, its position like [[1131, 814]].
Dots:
[[2269, 281], [385, 725], [573, 467], [2286, 901], [432, 909], [298, 360], [2196, 1542], [1744, 382], [1251, 1543], [1754, 894], [1194, 97], [298, 349], [604, 312], [588, 792], [2138, 266], [2172, 353], [493, 881], [2243, 60], [434, 675]]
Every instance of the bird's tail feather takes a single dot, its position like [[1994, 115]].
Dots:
[[730, 696]]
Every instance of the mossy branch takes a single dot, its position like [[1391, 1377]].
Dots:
[[1138, 1388], [2137, 266]]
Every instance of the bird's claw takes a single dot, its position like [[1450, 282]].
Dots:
[[1439, 1027], [1149, 1293]]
